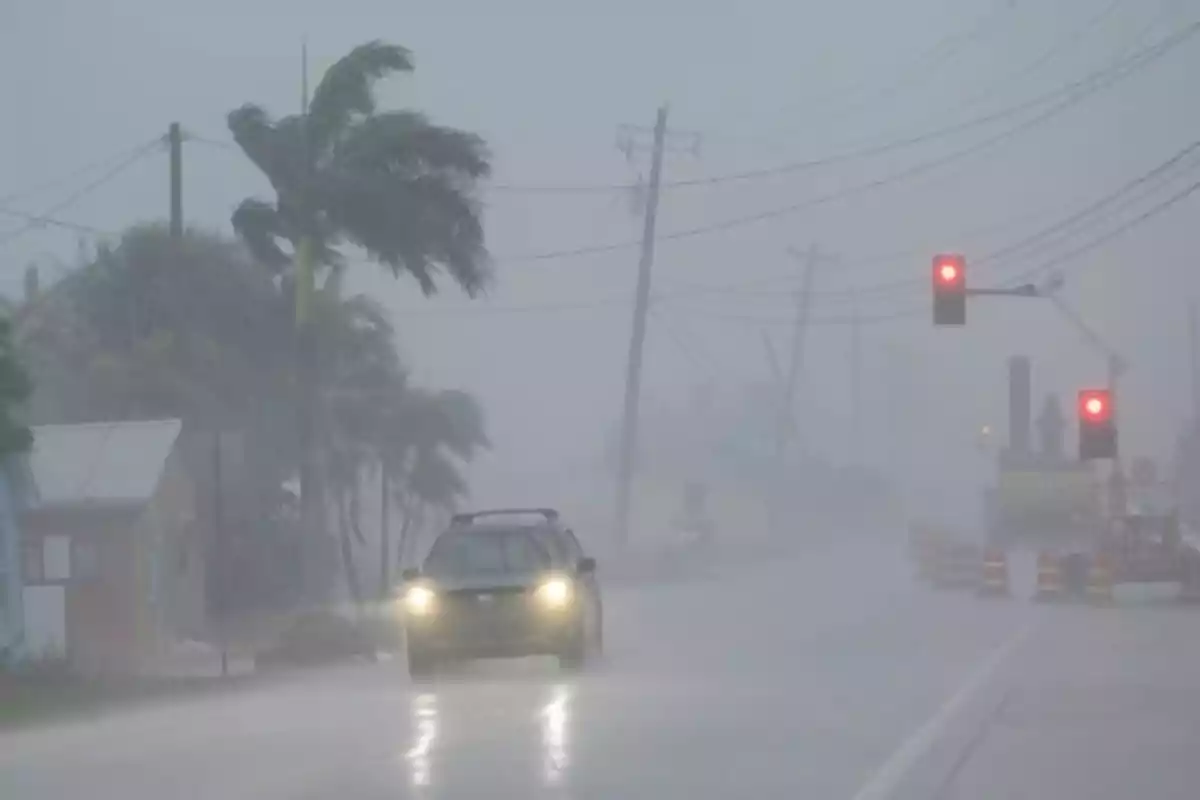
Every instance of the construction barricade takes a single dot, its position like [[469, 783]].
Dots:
[[957, 566], [994, 581], [1189, 583], [1100, 580], [1049, 586], [923, 546]]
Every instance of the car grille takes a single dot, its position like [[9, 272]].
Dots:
[[487, 613]]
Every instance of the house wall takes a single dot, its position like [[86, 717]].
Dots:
[[140, 589], [101, 633], [171, 561], [84, 611], [45, 623]]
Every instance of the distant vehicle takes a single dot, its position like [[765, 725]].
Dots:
[[503, 583]]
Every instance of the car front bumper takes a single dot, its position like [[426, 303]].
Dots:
[[474, 635]]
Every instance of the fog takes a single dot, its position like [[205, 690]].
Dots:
[[842, 652], [767, 84]]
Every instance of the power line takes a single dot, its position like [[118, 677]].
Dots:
[[1058, 262], [941, 49], [210, 142], [921, 168], [1000, 254], [36, 220], [1070, 255], [1059, 46], [1152, 52], [40, 220], [71, 177], [691, 354], [945, 49], [1005, 252], [608, 301], [856, 154], [892, 257]]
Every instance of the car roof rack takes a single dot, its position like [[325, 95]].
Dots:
[[467, 518]]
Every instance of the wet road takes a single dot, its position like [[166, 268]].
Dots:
[[832, 677]]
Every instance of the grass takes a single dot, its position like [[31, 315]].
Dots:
[[34, 699]]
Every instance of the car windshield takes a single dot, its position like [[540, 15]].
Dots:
[[462, 553]]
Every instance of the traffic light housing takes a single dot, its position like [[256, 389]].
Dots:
[[949, 290], [1097, 428]]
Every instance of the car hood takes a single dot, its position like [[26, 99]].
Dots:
[[497, 583]]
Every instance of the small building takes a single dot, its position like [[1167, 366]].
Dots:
[[112, 556]]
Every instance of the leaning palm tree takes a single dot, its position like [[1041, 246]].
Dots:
[[425, 440], [356, 353], [345, 174]]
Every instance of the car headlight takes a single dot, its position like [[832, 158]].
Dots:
[[555, 593], [418, 600]]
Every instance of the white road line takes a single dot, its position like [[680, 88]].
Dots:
[[884, 781]]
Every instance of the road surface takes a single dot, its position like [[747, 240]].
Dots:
[[832, 676]]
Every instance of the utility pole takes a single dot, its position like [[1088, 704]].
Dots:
[[1194, 359], [223, 560], [788, 425], [633, 372], [312, 517], [856, 378], [385, 506], [175, 144]]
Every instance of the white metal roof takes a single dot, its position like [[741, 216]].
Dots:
[[101, 462]]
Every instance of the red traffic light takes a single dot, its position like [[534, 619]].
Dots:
[[1095, 405], [949, 271]]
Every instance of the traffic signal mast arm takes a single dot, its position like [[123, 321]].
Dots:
[[1117, 365], [1026, 290]]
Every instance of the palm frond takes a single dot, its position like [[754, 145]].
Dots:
[[260, 227], [407, 144], [421, 226], [346, 90], [436, 480], [462, 429], [255, 133]]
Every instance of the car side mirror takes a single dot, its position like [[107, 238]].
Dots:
[[410, 574], [587, 565]]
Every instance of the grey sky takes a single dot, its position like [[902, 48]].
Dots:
[[765, 83]]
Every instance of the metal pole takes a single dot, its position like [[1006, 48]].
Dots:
[[223, 582], [633, 375], [385, 571], [787, 424], [856, 379], [311, 494], [1194, 359], [175, 141]]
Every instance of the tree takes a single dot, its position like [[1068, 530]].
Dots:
[[196, 329], [15, 389], [153, 327], [425, 439], [391, 183], [373, 419]]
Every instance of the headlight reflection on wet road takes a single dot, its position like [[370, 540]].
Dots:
[[425, 728], [555, 717]]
